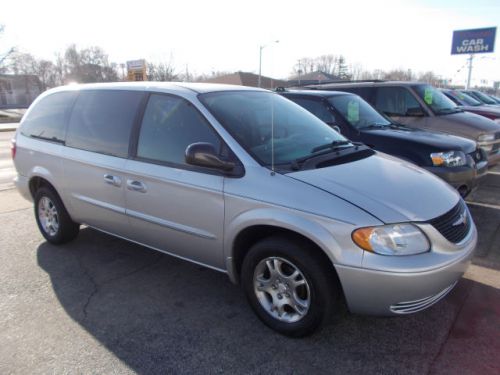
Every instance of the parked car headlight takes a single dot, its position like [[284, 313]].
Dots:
[[486, 137], [449, 159], [395, 239]]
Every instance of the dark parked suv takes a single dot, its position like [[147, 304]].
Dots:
[[455, 159], [420, 105]]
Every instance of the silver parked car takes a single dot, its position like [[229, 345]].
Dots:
[[245, 182]]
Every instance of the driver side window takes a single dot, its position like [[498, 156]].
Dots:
[[169, 125], [396, 101]]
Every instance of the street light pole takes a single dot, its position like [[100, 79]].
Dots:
[[470, 72], [260, 61]]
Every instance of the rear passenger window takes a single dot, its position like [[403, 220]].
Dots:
[[396, 101], [102, 121], [48, 118], [170, 124]]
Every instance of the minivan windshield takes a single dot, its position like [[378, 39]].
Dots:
[[270, 127], [358, 112], [436, 100]]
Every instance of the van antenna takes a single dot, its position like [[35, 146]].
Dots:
[[272, 134]]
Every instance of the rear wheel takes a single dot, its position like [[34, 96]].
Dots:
[[52, 218], [290, 289]]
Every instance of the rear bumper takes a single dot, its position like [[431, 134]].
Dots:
[[22, 185], [376, 292]]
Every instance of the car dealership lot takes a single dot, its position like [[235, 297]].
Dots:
[[102, 305]]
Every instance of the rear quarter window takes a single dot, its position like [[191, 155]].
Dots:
[[48, 118], [102, 121]]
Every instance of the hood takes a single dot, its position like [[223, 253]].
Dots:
[[390, 189], [425, 141], [492, 112], [469, 124]]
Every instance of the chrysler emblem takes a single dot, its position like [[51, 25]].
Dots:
[[461, 220]]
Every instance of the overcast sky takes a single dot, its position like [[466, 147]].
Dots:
[[224, 35]]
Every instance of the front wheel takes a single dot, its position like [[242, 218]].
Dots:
[[288, 286], [53, 220]]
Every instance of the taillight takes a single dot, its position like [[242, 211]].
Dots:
[[13, 148]]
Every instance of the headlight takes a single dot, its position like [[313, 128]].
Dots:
[[449, 159], [486, 137], [396, 239]]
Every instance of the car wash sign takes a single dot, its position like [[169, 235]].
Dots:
[[473, 41]]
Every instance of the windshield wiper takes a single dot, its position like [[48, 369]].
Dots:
[[447, 111], [332, 145], [375, 126]]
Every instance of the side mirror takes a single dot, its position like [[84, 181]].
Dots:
[[204, 155], [415, 112]]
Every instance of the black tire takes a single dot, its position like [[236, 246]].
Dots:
[[323, 288], [67, 229]]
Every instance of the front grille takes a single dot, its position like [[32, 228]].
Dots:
[[478, 155], [409, 307], [496, 146], [455, 224]]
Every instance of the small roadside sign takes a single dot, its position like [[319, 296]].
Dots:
[[473, 41]]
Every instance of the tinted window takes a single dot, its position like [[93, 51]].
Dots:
[[102, 121], [47, 119], [316, 107], [435, 99], [357, 112], [396, 101], [365, 92], [170, 124]]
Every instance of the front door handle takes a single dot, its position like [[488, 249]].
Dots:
[[136, 186], [113, 180]]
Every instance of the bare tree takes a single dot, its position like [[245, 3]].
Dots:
[[5, 55], [398, 75], [163, 71]]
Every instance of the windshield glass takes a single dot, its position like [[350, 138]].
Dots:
[[484, 98], [435, 99], [256, 118], [357, 112], [465, 98]]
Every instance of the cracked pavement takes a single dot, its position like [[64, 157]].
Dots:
[[101, 305]]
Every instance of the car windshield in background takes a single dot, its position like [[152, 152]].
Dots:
[[484, 98], [436, 100], [358, 112], [467, 99], [254, 118]]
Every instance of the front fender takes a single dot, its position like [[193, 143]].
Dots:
[[310, 226]]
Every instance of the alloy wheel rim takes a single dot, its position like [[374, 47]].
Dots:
[[281, 289], [48, 216]]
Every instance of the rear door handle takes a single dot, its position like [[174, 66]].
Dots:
[[113, 180], [136, 186]]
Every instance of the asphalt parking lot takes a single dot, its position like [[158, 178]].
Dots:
[[100, 305]]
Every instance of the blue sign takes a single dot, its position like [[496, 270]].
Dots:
[[473, 41]]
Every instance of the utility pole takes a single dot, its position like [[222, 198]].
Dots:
[[470, 72]]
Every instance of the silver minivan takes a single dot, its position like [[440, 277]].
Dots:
[[245, 182]]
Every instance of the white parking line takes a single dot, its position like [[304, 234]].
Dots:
[[496, 207]]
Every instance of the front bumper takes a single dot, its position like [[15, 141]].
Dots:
[[464, 179], [399, 285]]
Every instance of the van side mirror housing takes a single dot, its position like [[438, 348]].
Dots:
[[203, 154]]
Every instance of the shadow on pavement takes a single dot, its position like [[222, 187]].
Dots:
[[159, 314]]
